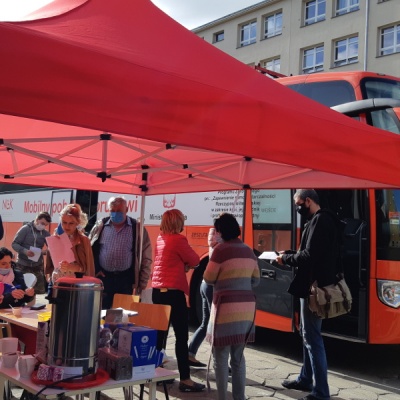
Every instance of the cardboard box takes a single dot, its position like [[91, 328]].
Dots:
[[119, 366], [139, 342], [42, 339]]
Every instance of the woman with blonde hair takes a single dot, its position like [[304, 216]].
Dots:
[[173, 258], [73, 221]]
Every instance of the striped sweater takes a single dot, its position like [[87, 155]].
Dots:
[[233, 270]]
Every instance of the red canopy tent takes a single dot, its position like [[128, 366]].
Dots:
[[112, 96]]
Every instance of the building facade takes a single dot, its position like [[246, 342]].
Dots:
[[301, 36]]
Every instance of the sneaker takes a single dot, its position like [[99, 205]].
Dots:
[[295, 385]]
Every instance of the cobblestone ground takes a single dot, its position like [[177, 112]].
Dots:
[[265, 371]]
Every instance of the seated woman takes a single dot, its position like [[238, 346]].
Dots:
[[73, 220], [16, 293]]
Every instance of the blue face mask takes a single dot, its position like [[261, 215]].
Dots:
[[4, 271], [117, 217]]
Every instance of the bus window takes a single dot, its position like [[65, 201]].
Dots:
[[328, 93], [372, 88], [388, 224], [385, 119]]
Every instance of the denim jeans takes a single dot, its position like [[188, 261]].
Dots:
[[206, 292], [238, 366], [314, 357]]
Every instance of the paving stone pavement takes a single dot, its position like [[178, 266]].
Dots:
[[265, 372]]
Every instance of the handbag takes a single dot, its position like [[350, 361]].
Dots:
[[330, 301]]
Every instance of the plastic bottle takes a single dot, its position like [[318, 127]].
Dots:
[[105, 337]]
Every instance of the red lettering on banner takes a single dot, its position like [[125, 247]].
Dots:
[[7, 204], [36, 207]]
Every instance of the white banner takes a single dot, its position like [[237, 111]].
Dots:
[[24, 206], [199, 208]]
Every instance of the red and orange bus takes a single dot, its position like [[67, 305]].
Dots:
[[371, 253]]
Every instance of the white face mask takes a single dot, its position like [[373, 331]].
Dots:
[[40, 227], [4, 271]]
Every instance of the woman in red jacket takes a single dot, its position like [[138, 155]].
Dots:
[[173, 258]]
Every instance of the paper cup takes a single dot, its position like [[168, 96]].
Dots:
[[9, 345], [9, 360], [17, 311], [26, 365]]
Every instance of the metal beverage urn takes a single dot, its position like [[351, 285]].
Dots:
[[74, 324]]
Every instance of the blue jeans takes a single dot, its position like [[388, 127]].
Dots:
[[221, 367], [314, 357], [206, 292]]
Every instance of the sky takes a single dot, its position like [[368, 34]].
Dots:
[[189, 13], [193, 13]]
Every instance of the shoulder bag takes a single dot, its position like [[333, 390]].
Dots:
[[330, 301]]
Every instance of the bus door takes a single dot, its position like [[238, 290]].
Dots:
[[273, 229], [351, 206]]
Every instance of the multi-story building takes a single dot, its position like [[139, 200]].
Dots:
[[307, 36]]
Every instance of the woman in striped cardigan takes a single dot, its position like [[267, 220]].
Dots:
[[233, 270]]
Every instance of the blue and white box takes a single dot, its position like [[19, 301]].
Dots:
[[139, 342]]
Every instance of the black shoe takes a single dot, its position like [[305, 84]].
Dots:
[[196, 387], [308, 397], [167, 381], [295, 385], [197, 364]]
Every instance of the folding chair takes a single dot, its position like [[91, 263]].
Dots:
[[124, 300], [155, 316]]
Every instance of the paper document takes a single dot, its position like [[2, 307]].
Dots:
[[60, 249], [37, 254], [268, 255]]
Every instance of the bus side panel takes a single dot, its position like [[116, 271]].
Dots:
[[10, 229], [384, 321], [273, 321]]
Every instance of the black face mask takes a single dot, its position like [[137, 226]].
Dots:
[[303, 210]]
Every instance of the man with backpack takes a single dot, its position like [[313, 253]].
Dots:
[[120, 263]]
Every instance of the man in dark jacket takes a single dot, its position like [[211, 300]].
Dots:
[[317, 259]]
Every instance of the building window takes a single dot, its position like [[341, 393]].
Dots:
[[346, 51], [273, 25], [390, 40], [314, 11], [274, 64], [313, 60], [248, 34], [218, 37], [346, 6]]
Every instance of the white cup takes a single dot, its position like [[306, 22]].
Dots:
[[9, 360], [9, 345], [26, 365], [17, 311]]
